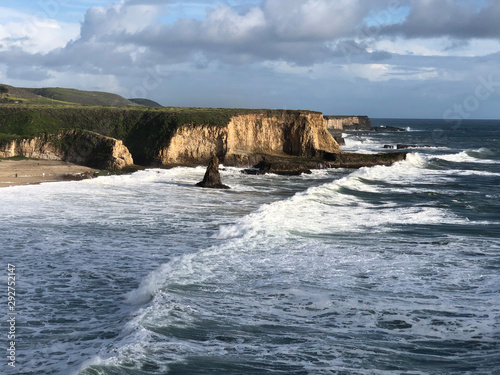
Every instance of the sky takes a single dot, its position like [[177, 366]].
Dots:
[[381, 58]]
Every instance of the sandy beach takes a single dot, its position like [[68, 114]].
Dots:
[[32, 171]]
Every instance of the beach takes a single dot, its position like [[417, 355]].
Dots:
[[33, 171]]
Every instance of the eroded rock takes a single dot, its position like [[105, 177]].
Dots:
[[212, 178]]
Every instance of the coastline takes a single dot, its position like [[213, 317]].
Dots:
[[35, 171]]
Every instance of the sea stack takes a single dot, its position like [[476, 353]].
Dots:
[[212, 176]]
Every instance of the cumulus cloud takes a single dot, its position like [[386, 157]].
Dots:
[[129, 33], [33, 33], [117, 18], [312, 20], [299, 31]]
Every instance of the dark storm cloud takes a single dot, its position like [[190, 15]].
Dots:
[[447, 18]]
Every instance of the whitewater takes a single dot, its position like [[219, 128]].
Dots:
[[382, 270]]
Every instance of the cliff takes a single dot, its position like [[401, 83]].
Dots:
[[348, 123], [110, 136], [168, 136], [291, 133], [75, 146]]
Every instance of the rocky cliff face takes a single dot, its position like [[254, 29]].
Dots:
[[37, 148], [348, 122], [75, 146], [298, 134]]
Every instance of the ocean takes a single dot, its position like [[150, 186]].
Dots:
[[382, 270]]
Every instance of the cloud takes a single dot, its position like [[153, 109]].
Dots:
[[118, 18], [312, 20], [129, 34], [455, 19], [33, 33], [328, 55], [298, 31], [35, 73]]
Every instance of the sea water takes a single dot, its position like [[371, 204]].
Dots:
[[383, 270]]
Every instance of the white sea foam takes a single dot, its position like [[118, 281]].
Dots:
[[339, 207], [482, 156], [360, 143], [327, 291]]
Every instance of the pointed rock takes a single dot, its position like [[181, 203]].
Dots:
[[212, 176]]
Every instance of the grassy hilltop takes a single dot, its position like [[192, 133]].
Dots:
[[64, 96]]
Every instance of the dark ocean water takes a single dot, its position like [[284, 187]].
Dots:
[[383, 270]]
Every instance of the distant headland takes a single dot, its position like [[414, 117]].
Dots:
[[342, 123]]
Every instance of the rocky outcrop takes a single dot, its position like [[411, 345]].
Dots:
[[212, 176], [75, 146], [388, 129], [293, 166], [297, 134], [353, 160], [402, 147], [281, 167], [341, 123]]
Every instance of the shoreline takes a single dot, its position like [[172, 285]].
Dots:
[[36, 171]]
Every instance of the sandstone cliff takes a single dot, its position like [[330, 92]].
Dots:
[[295, 133], [75, 146], [348, 123]]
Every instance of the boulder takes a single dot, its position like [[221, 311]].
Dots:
[[212, 176]]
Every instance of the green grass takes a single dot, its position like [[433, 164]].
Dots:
[[38, 101], [64, 95]]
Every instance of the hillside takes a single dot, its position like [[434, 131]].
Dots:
[[145, 102], [80, 96], [18, 93]]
